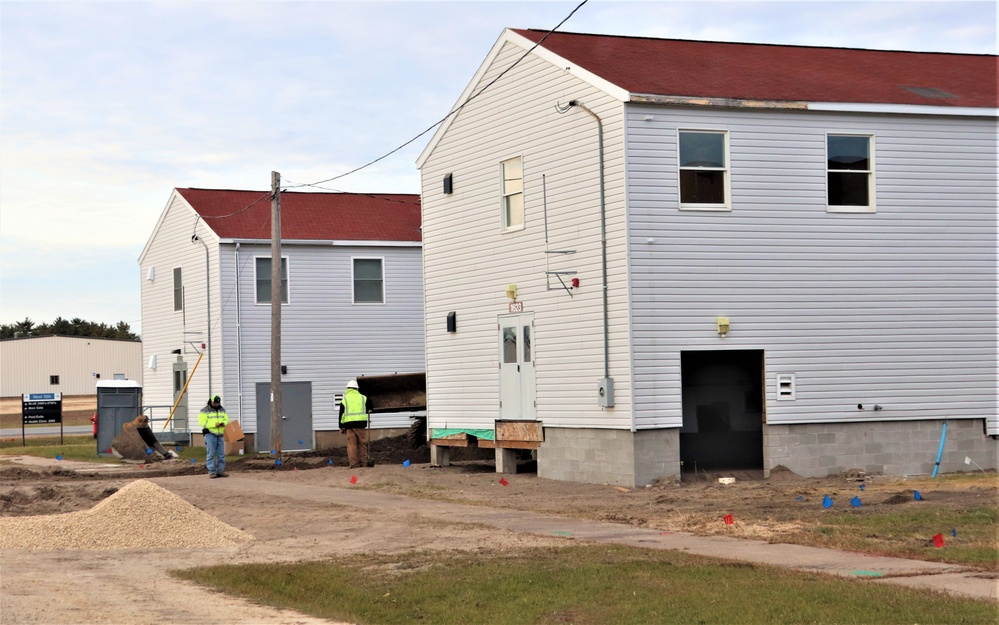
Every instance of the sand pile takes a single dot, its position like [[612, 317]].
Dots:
[[140, 515]]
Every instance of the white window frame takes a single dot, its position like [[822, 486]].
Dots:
[[178, 289], [353, 279], [726, 172], [505, 195], [286, 280], [871, 200]]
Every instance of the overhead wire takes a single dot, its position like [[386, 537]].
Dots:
[[454, 110], [269, 194]]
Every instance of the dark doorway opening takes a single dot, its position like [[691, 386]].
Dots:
[[723, 410]]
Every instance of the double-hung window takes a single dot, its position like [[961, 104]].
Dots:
[[263, 279], [850, 173], [512, 172], [704, 170], [369, 281]]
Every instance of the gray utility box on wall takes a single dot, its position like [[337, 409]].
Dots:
[[118, 402], [605, 392]]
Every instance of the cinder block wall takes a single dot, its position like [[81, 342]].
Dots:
[[618, 457], [878, 447]]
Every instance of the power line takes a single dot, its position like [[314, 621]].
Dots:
[[453, 111]]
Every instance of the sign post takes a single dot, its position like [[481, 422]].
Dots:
[[41, 408]]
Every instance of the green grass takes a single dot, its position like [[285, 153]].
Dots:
[[581, 585], [81, 447], [909, 533]]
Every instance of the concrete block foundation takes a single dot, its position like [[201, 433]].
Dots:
[[618, 457], [878, 447]]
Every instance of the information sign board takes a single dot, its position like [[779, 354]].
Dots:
[[39, 408]]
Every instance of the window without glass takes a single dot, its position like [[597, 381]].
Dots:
[[513, 193], [849, 172], [178, 289], [369, 284], [54, 379], [263, 280], [703, 169]]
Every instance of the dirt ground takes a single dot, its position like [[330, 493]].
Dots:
[[294, 510]]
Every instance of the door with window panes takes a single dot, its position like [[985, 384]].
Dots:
[[516, 366]]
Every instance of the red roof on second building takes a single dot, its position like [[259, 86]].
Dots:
[[673, 67], [309, 216]]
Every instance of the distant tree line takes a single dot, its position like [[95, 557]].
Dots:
[[64, 327]]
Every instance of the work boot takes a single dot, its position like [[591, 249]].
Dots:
[[222, 474], [212, 475]]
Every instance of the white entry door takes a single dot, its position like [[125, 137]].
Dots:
[[517, 384]]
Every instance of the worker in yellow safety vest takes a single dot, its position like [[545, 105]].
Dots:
[[354, 410], [213, 419]]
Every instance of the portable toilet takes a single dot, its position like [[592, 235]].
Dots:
[[118, 402]]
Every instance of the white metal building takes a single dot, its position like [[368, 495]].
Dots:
[[71, 365]]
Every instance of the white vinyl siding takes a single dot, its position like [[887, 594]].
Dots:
[[326, 339], [896, 308], [164, 331], [468, 261]]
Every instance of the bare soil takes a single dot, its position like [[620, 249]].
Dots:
[[292, 510]]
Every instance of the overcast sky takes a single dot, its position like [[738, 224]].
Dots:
[[107, 106]]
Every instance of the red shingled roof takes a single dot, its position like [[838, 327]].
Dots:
[[776, 72], [309, 216]]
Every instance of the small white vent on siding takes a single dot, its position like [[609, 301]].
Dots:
[[785, 386]]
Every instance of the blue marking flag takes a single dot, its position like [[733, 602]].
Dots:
[[799, 498], [406, 463], [953, 532], [855, 502], [277, 462], [861, 487], [149, 450], [331, 462], [917, 496], [827, 502], [58, 456]]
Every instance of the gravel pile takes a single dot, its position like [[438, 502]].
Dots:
[[141, 515]]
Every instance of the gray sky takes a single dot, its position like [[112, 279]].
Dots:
[[107, 106]]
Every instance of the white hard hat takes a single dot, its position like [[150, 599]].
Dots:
[[352, 384]]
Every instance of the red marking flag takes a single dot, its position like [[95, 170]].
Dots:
[[938, 541], [503, 481], [729, 519], [353, 479]]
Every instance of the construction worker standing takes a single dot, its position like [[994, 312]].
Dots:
[[354, 410], [213, 419]]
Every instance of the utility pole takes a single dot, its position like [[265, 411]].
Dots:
[[276, 415]]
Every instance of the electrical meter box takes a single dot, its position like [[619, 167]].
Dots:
[[605, 392]]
